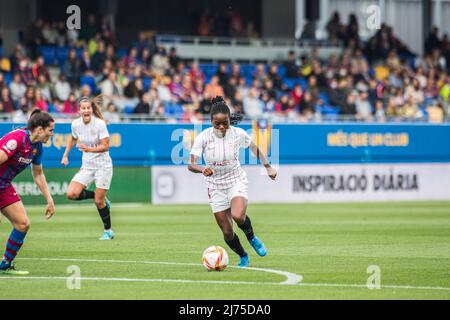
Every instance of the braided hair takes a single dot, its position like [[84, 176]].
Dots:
[[219, 106]]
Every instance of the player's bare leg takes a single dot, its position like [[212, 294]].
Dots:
[[225, 222], [77, 191], [238, 212], [17, 215], [103, 208]]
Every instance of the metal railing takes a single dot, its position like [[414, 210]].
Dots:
[[242, 41], [243, 49]]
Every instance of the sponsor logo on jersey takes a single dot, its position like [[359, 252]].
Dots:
[[221, 163], [24, 160], [10, 145]]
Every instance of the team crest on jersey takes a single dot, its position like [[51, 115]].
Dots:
[[10, 145], [34, 152]]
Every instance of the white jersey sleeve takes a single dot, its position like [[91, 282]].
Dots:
[[244, 138], [103, 131], [198, 145], [74, 130]]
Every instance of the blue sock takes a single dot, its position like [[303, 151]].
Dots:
[[13, 246]]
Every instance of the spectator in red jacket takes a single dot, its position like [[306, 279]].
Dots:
[[39, 68]]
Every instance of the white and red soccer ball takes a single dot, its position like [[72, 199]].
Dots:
[[215, 258]]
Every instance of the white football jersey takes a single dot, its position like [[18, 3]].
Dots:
[[90, 134], [222, 155]]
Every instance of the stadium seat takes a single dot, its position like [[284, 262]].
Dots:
[[168, 39], [330, 110], [178, 111], [291, 82], [90, 81], [61, 55], [248, 70], [128, 109], [172, 110], [146, 82], [8, 78], [49, 54], [52, 108], [324, 97], [121, 53], [209, 69], [303, 83], [281, 70], [79, 52]]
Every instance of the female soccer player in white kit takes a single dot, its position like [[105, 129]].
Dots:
[[226, 180], [90, 134]]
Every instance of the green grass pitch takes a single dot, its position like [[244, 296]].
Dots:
[[157, 253]]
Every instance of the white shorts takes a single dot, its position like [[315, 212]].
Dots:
[[102, 177], [220, 199]]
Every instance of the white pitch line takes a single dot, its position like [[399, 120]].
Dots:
[[138, 280], [291, 278], [365, 286]]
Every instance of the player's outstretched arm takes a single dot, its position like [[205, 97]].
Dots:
[[271, 172], [41, 182], [70, 144]]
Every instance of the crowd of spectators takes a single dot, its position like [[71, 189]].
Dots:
[[375, 81]]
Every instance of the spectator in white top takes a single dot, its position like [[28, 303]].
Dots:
[[62, 88], [110, 88], [414, 91], [17, 88], [252, 105], [160, 62], [363, 107], [163, 90], [111, 115]]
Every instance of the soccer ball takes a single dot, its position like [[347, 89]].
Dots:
[[215, 258]]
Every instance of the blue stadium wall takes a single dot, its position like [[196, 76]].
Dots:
[[168, 144]]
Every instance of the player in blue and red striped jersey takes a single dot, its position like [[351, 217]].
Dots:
[[19, 149]]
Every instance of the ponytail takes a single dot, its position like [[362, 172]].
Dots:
[[97, 103], [235, 118]]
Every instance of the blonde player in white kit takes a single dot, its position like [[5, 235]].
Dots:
[[91, 136], [226, 180]]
